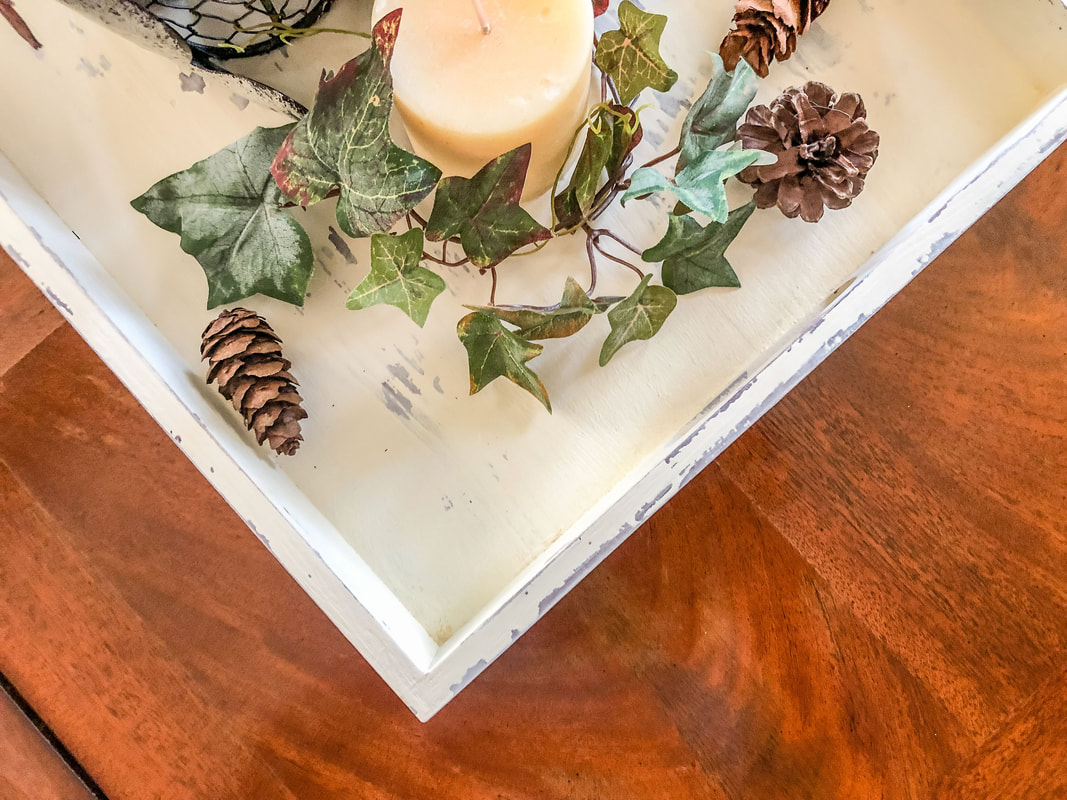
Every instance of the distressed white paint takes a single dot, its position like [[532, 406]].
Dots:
[[434, 528]]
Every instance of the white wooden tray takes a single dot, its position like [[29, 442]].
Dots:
[[434, 528]]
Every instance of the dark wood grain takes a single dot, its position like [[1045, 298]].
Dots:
[[865, 597], [29, 768]]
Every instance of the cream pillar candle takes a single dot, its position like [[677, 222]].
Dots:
[[467, 95]]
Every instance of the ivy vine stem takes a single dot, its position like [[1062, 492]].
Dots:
[[414, 219], [594, 239], [660, 159], [598, 232], [591, 252]]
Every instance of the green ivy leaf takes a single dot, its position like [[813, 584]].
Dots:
[[484, 211], [700, 185], [228, 211], [612, 136], [343, 145], [712, 121], [631, 57], [640, 316], [396, 279], [566, 319], [694, 257], [495, 352]]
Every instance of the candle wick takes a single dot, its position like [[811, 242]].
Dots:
[[483, 18]]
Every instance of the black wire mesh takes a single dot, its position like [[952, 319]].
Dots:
[[233, 28]]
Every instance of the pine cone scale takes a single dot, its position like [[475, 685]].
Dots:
[[245, 358]]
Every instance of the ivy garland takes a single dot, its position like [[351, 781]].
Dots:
[[230, 208]]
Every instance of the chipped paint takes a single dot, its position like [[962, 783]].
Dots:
[[57, 302], [468, 676], [192, 82], [397, 403], [584, 568], [17, 257], [654, 503], [414, 363], [86, 66], [341, 246], [402, 375]]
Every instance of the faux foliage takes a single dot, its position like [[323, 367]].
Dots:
[[343, 146], [630, 56], [484, 211], [694, 256], [228, 211], [230, 208], [396, 279]]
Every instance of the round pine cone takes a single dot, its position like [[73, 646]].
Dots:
[[767, 30], [824, 149], [245, 357]]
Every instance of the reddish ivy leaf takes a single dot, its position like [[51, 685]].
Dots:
[[600, 7], [484, 211], [343, 145]]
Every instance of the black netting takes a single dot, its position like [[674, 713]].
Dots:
[[219, 27]]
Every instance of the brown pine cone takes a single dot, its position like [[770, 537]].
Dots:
[[245, 357], [824, 149], [767, 30]]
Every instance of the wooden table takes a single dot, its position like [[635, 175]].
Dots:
[[865, 597]]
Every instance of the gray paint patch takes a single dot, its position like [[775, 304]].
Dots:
[[396, 402], [938, 247], [239, 101], [192, 83], [468, 676], [413, 363], [586, 567], [17, 257], [85, 66], [437, 385], [653, 503], [341, 246], [57, 302], [402, 375], [105, 65]]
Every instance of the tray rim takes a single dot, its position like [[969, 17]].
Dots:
[[426, 676]]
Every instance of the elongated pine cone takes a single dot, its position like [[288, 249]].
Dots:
[[824, 149], [245, 356], [767, 30]]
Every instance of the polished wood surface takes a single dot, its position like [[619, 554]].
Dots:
[[865, 597], [29, 767]]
